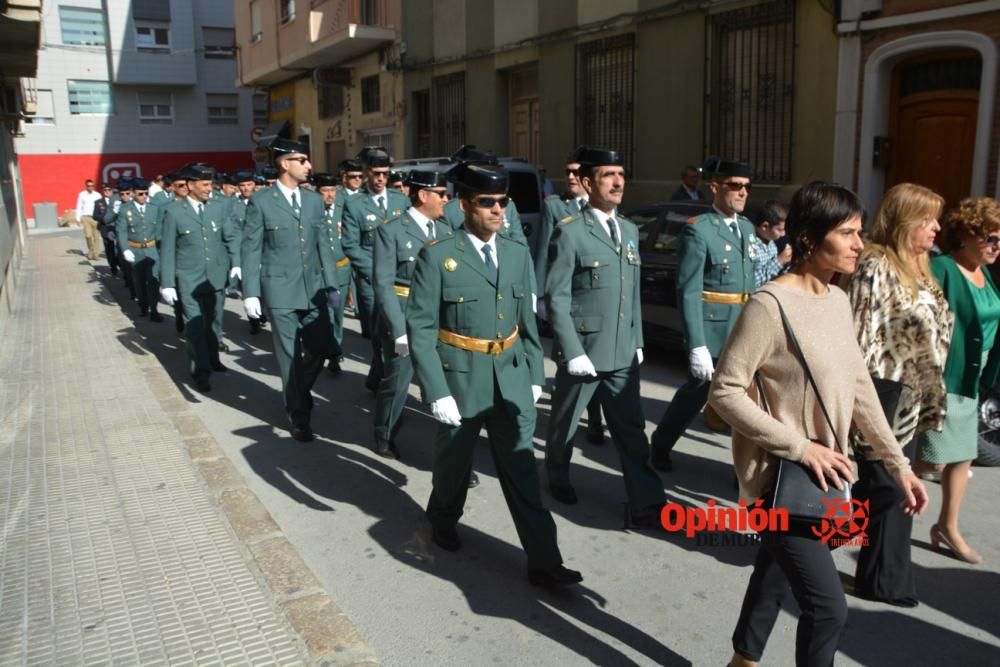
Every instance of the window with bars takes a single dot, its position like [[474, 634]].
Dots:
[[330, 101], [448, 112], [82, 26], [223, 108], [750, 88], [370, 102], [155, 108], [89, 96], [605, 102], [219, 42], [260, 104]]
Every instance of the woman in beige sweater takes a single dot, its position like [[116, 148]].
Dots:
[[824, 226]]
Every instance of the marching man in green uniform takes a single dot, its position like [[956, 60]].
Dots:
[[289, 266], [363, 214], [200, 242], [326, 186], [245, 186], [477, 356], [556, 209], [715, 277], [138, 233], [453, 213], [592, 295], [397, 244]]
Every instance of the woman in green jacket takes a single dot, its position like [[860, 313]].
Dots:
[[971, 237]]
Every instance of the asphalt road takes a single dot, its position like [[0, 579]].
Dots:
[[648, 597]]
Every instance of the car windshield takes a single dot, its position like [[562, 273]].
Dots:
[[523, 189], [670, 233]]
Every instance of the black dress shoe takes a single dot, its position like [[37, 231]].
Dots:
[[202, 385], [223, 347], [334, 366], [554, 576], [371, 386], [595, 433], [263, 318], [155, 317], [473, 480], [386, 448], [302, 433], [143, 311], [660, 458], [179, 324], [648, 518], [219, 367], [254, 327], [446, 538], [564, 494]]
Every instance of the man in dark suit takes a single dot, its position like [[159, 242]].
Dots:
[[688, 189], [290, 272]]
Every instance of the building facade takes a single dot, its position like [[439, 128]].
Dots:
[[136, 87], [917, 97]]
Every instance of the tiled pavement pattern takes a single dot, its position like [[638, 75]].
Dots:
[[112, 549]]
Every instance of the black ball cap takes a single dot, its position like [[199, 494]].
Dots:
[[197, 171], [269, 173], [282, 146], [350, 164], [124, 184], [323, 179], [598, 157], [395, 177], [426, 179], [140, 184], [259, 180], [575, 155], [105, 185], [719, 167], [469, 153], [482, 179], [374, 156]]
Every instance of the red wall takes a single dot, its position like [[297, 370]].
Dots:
[[59, 178]]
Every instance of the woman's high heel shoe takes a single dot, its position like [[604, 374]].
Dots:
[[969, 554]]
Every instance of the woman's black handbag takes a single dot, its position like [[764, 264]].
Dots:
[[889, 392], [795, 488]]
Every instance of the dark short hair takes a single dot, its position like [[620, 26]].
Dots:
[[771, 212], [816, 210], [690, 169]]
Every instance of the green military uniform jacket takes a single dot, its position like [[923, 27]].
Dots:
[[110, 220], [556, 208], [452, 290], [711, 258], [287, 258], [162, 198], [397, 244], [592, 292], [340, 201], [139, 227], [334, 235], [196, 252], [362, 216]]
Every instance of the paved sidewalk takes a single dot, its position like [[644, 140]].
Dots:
[[127, 536]]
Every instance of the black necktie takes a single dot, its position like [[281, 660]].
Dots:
[[735, 229], [295, 203], [488, 261], [201, 209], [430, 229], [612, 232]]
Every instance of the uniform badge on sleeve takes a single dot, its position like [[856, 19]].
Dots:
[[450, 264]]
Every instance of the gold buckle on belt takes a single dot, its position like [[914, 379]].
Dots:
[[401, 290], [730, 298], [344, 262], [482, 345], [136, 244]]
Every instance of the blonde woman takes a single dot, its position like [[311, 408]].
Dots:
[[903, 326], [971, 237]]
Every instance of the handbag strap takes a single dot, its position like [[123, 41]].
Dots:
[[802, 358]]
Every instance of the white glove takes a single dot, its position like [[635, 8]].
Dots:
[[700, 361], [541, 310], [251, 305], [117, 206], [445, 410], [534, 303], [129, 256], [581, 366], [402, 346], [536, 392], [236, 273], [169, 295], [638, 355]]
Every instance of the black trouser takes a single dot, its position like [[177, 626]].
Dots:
[[111, 252], [884, 570], [792, 562], [688, 401]]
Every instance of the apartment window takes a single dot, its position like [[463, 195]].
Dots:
[[260, 109], [372, 12], [287, 10], [152, 36], [219, 42], [370, 99], [44, 109], [155, 108], [255, 24], [223, 108], [605, 94], [448, 111], [751, 87], [89, 96], [330, 101], [82, 26]]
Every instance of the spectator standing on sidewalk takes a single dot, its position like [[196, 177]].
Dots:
[[85, 214], [688, 190], [769, 226]]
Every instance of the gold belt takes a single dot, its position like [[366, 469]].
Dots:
[[401, 290], [344, 262], [136, 244], [732, 298], [484, 345]]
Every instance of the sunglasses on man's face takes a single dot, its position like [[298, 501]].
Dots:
[[490, 202], [300, 160], [992, 239], [572, 172], [141, 194], [733, 186]]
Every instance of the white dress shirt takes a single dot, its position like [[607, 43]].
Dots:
[[478, 245]]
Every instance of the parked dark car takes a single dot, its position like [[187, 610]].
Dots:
[[660, 228]]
